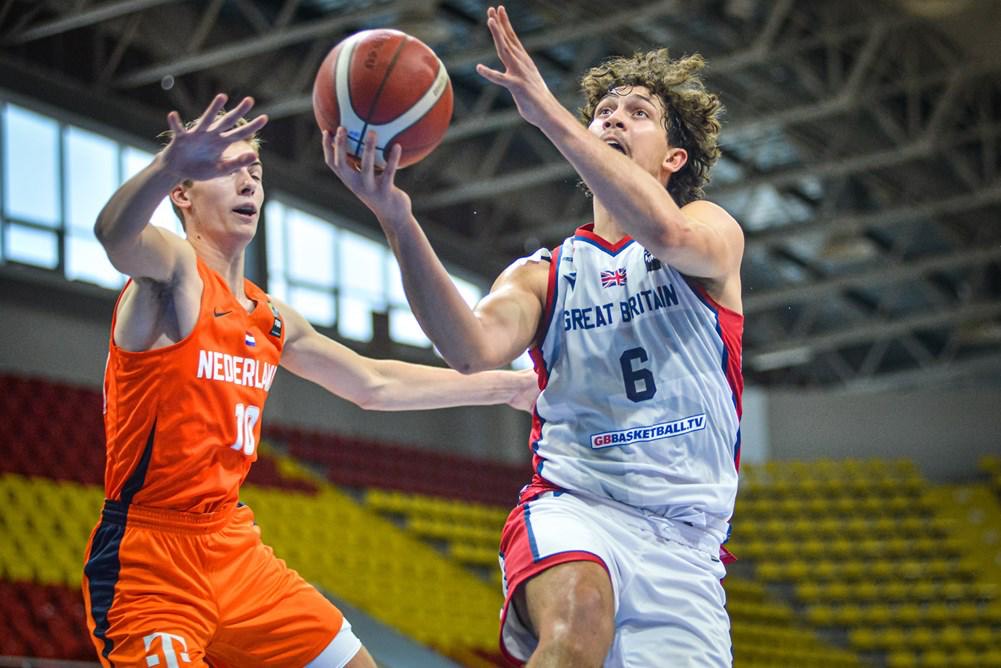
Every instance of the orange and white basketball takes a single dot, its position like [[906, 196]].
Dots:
[[387, 81]]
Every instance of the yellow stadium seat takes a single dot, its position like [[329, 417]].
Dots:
[[991, 658], [817, 506], [825, 569], [908, 614], [895, 590], [813, 548], [854, 569], [935, 658], [798, 570], [865, 591], [865, 639], [878, 614], [937, 612], [821, 615], [966, 658], [982, 636], [923, 638], [849, 615], [902, 659], [842, 548]]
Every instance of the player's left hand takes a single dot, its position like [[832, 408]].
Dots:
[[376, 189], [521, 76], [524, 398]]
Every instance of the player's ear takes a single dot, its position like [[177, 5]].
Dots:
[[674, 160], [179, 196]]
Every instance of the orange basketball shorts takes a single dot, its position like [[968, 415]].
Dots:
[[171, 589]]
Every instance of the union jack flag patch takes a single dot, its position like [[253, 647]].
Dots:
[[610, 278]]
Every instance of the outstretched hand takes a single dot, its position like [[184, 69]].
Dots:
[[377, 190], [521, 76], [196, 152]]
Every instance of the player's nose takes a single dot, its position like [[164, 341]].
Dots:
[[246, 184], [614, 120]]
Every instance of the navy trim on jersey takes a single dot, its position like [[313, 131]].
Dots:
[[531, 534], [535, 443], [736, 447], [552, 291], [138, 477], [103, 564], [605, 248], [586, 234], [101, 571]]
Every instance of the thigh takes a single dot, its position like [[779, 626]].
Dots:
[[575, 593], [673, 610], [551, 539], [146, 603], [269, 615]]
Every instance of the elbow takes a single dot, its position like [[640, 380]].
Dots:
[[369, 399], [101, 232], [105, 233], [468, 364]]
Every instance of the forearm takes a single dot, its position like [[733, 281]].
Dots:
[[402, 386], [640, 203], [129, 210], [435, 301]]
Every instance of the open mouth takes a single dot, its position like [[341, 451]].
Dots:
[[248, 210], [617, 146]]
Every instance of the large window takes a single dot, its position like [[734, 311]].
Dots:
[[339, 278], [31, 201], [57, 176]]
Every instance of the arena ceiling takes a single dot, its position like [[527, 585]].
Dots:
[[861, 145]]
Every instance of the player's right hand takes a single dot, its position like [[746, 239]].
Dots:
[[196, 152], [376, 189]]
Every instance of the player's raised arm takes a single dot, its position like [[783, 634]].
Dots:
[[141, 250], [503, 324], [627, 181], [389, 385]]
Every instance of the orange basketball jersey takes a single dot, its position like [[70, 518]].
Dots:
[[183, 422]]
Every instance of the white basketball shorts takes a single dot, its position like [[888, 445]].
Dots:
[[669, 603]]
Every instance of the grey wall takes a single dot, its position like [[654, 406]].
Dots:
[[51, 331], [943, 431]]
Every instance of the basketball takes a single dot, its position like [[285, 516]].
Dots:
[[386, 81]]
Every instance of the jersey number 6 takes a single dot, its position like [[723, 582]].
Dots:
[[635, 379]]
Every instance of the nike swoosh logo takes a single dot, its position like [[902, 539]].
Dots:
[[219, 314]]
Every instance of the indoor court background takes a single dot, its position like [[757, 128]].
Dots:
[[860, 154]]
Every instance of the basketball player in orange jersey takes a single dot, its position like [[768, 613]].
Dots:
[[613, 555], [176, 574]]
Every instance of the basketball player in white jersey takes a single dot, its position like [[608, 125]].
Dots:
[[613, 555]]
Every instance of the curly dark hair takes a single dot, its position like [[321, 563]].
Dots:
[[691, 116]]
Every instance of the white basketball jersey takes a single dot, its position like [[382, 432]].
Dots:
[[642, 383]]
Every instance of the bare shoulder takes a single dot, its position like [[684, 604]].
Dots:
[[529, 273], [713, 214], [153, 314], [723, 233]]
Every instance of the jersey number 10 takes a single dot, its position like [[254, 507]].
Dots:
[[246, 418]]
